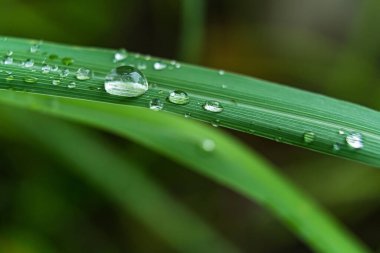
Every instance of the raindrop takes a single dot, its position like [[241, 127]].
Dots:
[[64, 73], [55, 82], [83, 74], [30, 79], [54, 68], [221, 72], [336, 147], [308, 137], [126, 81], [45, 68], [120, 55], [354, 140], [215, 122], [28, 63], [8, 60], [213, 106], [159, 65], [67, 61], [178, 97], [34, 48], [341, 132], [71, 85], [141, 66], [208, 145], [187, 115], [156, 104]]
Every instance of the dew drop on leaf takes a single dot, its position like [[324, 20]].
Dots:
[[156, 104], [354, 141], [159, 65], [125, 81], [213, 106], [178, 97], [208, 145], [83, 74], [30, 79], [120, 55]]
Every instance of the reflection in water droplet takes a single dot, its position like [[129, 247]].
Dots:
[[156, 104], [30, 79], [71, 85], [308, 137], [67, 61], [208, 145], [83, 74], [126, 81], [28, 63], [120, 55], [178, 97], [213, 106], [159, 65], [354, 140]]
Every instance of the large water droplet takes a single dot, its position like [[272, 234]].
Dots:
[[208, 145], [28, 63], [30, 79], [308, 137], [156, 104], [126, 81], [354, 140], [178, 97], [83, 74], [120, 55], [159, 65], [213, 106]]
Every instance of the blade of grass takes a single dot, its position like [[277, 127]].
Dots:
[[229, 163], [125, 182], [250, 105]]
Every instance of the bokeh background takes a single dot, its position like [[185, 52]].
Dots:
[[326, 46]]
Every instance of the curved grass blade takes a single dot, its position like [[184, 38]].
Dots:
[[125, 182], [288, 115], [207, 151]]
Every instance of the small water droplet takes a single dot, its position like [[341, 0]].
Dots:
[[54, 68], [53, 57], [208, 145], [159, 65], [156, 104], [55, 82], [308, 137], [224, 86], [341, 132], [9, 53], [354, 140], [45, 68], [336, 147], [213, 106], [28, 63], [215, 122], [126, 81], [221, 72], [64, 73], [120, 55], [141, 66], [34, 48], [30, 79], [72, 85], [187, 115], [8, 60], [67, 61], [178, 97], [83, 74]]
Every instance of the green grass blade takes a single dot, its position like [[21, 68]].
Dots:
[[250, 105], [125, 182], [229, 163]]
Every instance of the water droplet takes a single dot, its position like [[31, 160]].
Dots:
[[224, 86], [120, 55], [221, 72], [354, 140], [8, 60], [72, 85], [336, 147], [159, 65], [30, 79], [9, 53], [83, 74], [126, 81], [208, 145], [55, 82], [34, 48], [45, 68], [54, 68], [53, 57], [187, 115], [213, 106], [341, 132], [141, 66], [215, 122], [67, 61], [28, 63], [156, 104], [64, 73], [178, 97], [308, 137]]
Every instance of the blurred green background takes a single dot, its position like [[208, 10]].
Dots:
[[326, 46]]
